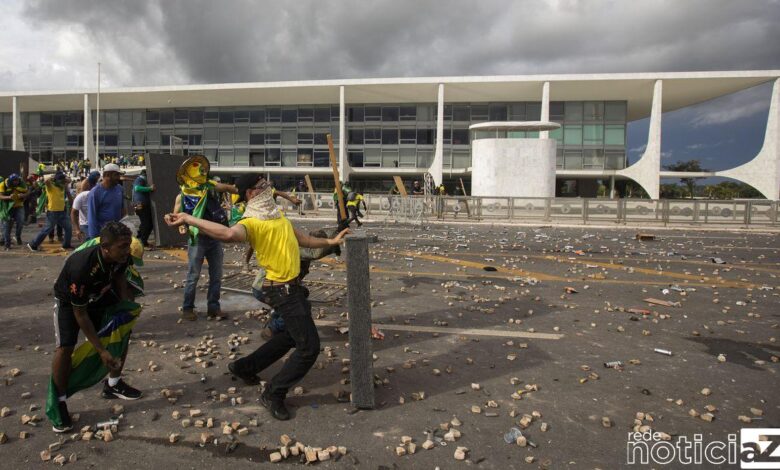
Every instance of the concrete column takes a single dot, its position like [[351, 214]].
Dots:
[[361, 370], [612, 187], [344, 168], [647, 170], [89, 144], [17, 137], [545, 109], [763, 171], [437, 166]]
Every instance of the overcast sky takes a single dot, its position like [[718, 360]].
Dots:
[[55, 44]]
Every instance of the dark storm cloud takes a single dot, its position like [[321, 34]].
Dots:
[[235, 41]]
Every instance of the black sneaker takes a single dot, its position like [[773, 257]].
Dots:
[[248, 379], [32, 248], [275, 406], [120, 390], [19, 241], [67, 424]]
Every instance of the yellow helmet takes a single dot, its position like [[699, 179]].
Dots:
[[137, 251]]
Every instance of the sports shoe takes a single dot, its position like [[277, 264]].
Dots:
[[120, 390], [248, 379], [19, 241], [217, 314], [31, 248], [275, 406], [188, 314], [67, 424]]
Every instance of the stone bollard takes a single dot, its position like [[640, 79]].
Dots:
[[361, 373]]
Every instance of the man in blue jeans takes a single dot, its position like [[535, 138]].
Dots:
[[56, 213], [13, 192]]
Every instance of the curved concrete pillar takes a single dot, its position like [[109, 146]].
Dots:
[[763, 171], [17, 137], [647, 170], [344, 168], [437, 166], [545, 108]]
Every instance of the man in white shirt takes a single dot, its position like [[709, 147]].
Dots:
[[78, 215]]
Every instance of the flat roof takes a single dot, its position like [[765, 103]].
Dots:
[[681, 89]]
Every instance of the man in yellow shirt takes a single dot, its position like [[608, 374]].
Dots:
[[354, 199], [276, 244], [13, 191], [56, 195]]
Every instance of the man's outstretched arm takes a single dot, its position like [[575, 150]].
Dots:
[[234, 234]]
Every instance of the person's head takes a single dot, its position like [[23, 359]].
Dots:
[[13, 180], [60, 177], [112, 174], [416, 183], [250, 185], [115, 240]]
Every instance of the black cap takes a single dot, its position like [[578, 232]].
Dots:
[[245, 182]]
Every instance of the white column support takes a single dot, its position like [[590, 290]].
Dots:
[[17, 137], [90, 152], [545, 109], [437, 166], [647, 170], [344, 168], [763, 171]]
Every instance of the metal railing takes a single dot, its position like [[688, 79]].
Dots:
[[666, 212]]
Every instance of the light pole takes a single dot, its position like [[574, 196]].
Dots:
[[97, 127]]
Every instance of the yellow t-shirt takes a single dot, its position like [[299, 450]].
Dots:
[[55, 197], [17, 190], [276, 247], [356, 202]]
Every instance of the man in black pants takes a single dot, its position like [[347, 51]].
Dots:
[[275, 242], [142, 203], [91, 280]]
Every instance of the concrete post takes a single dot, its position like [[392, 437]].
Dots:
[[545, 109], [612, 187], [361, 372], [437, 166]]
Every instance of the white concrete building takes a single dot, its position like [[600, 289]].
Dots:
[[385, 127]]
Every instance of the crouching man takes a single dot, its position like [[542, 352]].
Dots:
[[92, 294], [275, 243]]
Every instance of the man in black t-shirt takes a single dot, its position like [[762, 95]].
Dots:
[[91, 280]]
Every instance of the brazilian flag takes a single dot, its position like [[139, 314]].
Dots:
[[86, 367]]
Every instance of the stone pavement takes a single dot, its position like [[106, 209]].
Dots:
[[486, 328]]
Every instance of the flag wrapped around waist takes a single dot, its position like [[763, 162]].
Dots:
[[87, 368]]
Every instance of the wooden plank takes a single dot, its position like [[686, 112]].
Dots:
[[308, 183], [400, 185], [336, 178], [465, 202]]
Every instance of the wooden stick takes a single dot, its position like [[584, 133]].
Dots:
[[308, 183], [465, 202], [335, 166], [400, 185]]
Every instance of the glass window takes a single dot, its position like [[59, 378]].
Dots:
[[390, 113], [305, 115], [226, 136], [273, 138], [572, 159], [139, 118], [211, 116], [241, 135], [593, 158], [290, 157], [408, 136], [497, 112], [241, 116], [389, 158], [210, 154], [615, 111], [593, 134], [139, 138], [572, 134], [322, 114], [556, 110], [355, 158], [389, 136], [195, 140], [321, 158], [460, 137], [226, 157], [447, 136], [408, 113], [125, 118], [305, 157], [615, 134], [210, 135], [273, 157], [372, 136], [594, 111], [479, 112], [425, 136], [573, 111], [241, 156], [559, 158], [125, 137], [165, 140], [290, 115], [72, 140], [461, 113], [461, 159], [334, 113], [425, 112], [256, 158], [533, 111], [305, 138], [373, 113], [46, 119], [557, 134], [355, 136], [77, 119], [273, 115], [517, 112], [181, 116], [355, 114], [257, 116], [195, 116], [152, 116], [447, 112], [289, 137], [225, 117], [424, 158], [321, 138], [516, 134], [256, 139], [166, 117], [112, 118], [152, 135], [110, 140], [615, 160]]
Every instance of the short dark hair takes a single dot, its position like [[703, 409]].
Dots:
[[112, 232], [245, 182]]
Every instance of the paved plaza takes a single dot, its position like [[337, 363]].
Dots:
[[486, 328]]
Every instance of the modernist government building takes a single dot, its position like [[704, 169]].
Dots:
[[399, 126]]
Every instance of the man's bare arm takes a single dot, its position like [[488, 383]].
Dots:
[[226, 188], [308, 241], [236, 233], [82, 318]]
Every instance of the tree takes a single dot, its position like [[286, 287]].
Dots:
[[688, 166], [731, 190]]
